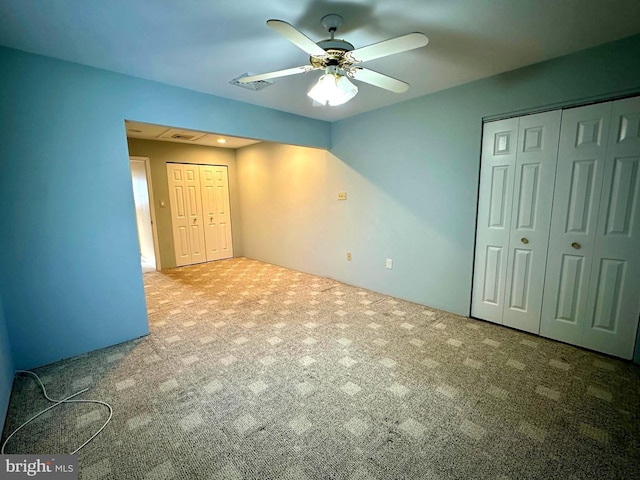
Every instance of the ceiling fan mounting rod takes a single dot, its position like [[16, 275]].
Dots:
[[331, 22], [335, 49]]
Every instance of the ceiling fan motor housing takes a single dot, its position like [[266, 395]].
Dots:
[[335, 53]]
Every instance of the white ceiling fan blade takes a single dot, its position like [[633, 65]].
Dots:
[[297, 38], [387, 47], [379, 80], [276, 74]]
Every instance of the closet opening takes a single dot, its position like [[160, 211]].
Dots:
[[558, 225]]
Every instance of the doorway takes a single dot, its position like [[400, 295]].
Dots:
[[145, 215]]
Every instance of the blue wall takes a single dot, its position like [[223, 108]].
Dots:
[[416, 170], [69, 266], [6, 367], [69, 273]]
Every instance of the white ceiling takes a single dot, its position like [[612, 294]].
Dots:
[[180, 135], [202, 45]]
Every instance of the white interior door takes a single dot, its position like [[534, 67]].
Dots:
[[581, 158], [535, 173], [499, 142], [186, 213], [217, 217], [143, 210], [613, 306]]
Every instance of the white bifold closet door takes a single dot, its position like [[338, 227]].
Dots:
[[499, 142], [217, 217], [200, 215], [518, 170], [558, 234], [592, 285], [186, 213]]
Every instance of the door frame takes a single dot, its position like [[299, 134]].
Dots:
[[152, 209]]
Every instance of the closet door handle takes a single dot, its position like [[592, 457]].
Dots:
[[576, 245], [524, 240]]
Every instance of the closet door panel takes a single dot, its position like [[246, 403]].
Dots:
[[186, 213], [534, 176], [581, 156], [224, 211], [217, 217], [194, 213], [210, 211], [499, 141], [179, 217], [613, 306]]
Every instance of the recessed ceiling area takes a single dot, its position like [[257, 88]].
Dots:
[[164, 133], [203, 46]]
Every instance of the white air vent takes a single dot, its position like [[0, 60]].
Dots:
[[181, 135], [259, 85]]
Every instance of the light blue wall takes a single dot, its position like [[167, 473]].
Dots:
[[420, 160], [411, 175], [6, 367], [69, 273], [69, 267]]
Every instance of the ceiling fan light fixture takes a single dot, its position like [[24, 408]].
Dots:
[[341, 61], [333, 89]]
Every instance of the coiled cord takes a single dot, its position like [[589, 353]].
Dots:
[[55, 404]]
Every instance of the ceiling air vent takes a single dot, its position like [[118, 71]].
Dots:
[[258, 85], [179, 136]]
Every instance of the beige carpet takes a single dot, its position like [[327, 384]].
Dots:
[[253, 371]]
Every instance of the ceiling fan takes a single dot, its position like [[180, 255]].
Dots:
[[340, 61]]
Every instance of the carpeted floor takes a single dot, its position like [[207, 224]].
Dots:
[[253, 371]]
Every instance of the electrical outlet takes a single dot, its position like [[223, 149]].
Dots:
[[348, 256], [342, 195], [389, 263]]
